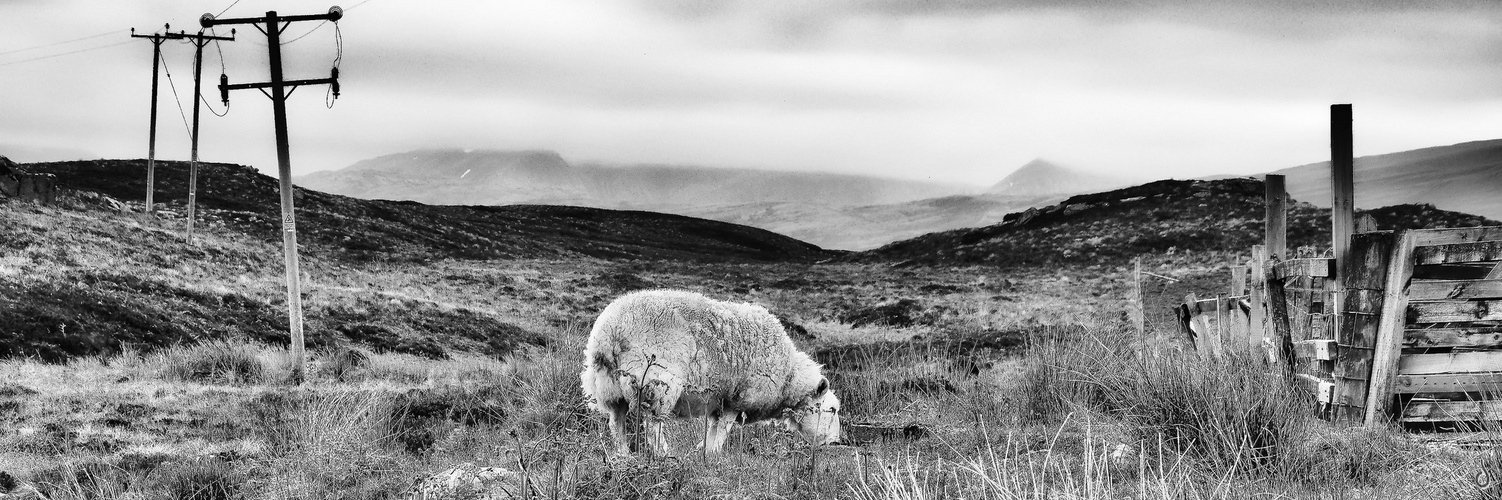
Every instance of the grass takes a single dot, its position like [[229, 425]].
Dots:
[[984, 383]]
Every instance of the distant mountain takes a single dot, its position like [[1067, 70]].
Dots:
[[1157, 218], [457, 177], [488, 177], [1465, 177], [1042, 177], [831, 210]]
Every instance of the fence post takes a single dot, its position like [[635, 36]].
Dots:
[[1140, 314], [1238, 280], [1276, 197], [1342, 175], [1277, 306], [1362, 280], [1257, 297], [1389, 342]]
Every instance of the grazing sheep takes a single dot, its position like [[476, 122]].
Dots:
[[667, 354]]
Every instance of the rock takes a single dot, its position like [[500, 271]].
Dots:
[[13, 489], [471, 482]]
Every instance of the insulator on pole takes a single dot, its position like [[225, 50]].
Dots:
[[224, 88], [335, 83]]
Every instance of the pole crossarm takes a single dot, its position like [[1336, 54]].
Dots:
[[199, 38], [208, 21], [288, 83]]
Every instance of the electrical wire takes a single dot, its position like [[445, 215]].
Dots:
[[175, 98], [65, 53], [226, 9], [200, 94], [300, 37], [328, 94], [107, 33], [218, 48], [320, 25]]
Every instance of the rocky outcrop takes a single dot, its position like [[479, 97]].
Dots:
[[17, 183]]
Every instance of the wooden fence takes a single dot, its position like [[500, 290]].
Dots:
[[1409, 329]]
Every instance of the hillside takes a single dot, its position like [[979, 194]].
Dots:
[[349, 228], [1462, 177], [870, 226], [1163, 217]]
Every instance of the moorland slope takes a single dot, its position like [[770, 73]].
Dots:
[[1162, 217], [354, 228]]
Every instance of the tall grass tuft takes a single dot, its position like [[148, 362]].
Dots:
[[216, 361], [326, 442], [1224, 411], [194, 479]]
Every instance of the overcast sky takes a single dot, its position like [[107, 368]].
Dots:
[[956, 91]]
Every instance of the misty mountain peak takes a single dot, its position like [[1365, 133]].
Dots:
[[1041, 176]]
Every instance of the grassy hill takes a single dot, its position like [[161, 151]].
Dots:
[[350, 228], [1163, 217], [1463, 177], [94, 276]]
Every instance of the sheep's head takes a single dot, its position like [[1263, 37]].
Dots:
[[817, 417]]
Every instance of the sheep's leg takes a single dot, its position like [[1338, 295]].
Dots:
[[618, 429], [658, 437], [659, 397], [716, 431]]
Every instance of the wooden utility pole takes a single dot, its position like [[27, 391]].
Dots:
[[156, 62], [273, 26], [199, 41]]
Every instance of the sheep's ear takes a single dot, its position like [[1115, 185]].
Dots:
[[823, 387]]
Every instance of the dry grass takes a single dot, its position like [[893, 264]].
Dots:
[[1087, 411]]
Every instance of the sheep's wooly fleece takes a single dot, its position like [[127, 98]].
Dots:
[[725, 356]]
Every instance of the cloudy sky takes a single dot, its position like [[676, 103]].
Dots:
[[958, 91]]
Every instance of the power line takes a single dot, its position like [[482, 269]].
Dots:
[[107, 33], [64, 53], [300, 37], [175, 98], [226, 9]]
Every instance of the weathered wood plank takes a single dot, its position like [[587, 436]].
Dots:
[[1363, 276], [1318, 267], [1451, 411], [1450, 236], [1495, 273], [1256, 295], [1275, 199], [1479, 336], [1323, 350], [1455, 289], [1238, 281], [1389, 346], [1453, 311], [1485, 251], [1355, 364], [1277, 307], [1454, 362], [1490, 383], [1342, 181]]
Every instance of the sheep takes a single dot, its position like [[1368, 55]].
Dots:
[[677, 354]]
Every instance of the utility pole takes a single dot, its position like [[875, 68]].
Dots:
[[274, 25], [156, 62], [199, 41]]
